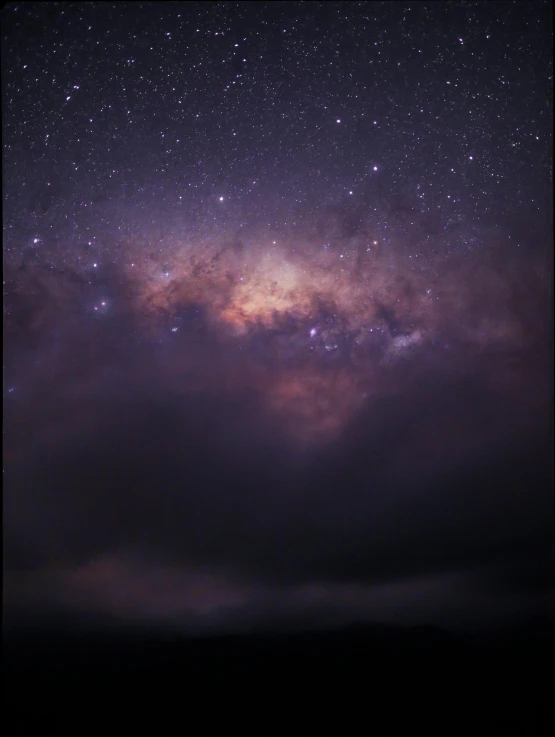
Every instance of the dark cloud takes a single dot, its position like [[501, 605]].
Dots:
[[444, 477]]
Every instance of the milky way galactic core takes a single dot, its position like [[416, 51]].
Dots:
[[314, 324]]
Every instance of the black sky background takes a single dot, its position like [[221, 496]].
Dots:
[[277, 313]]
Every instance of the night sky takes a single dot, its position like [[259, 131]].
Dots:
[[277, 313]]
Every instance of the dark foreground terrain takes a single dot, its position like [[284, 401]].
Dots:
[[375, 680]]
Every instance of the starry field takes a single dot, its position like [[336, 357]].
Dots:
[[277, 312]]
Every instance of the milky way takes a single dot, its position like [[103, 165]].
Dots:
[[315, 324]]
